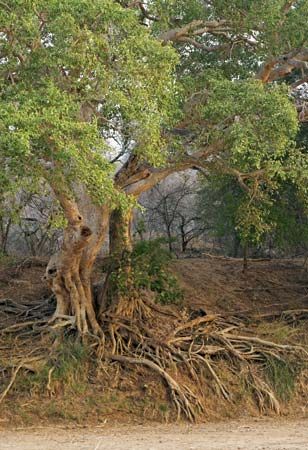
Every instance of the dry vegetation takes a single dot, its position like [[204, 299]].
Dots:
[[246, 356]]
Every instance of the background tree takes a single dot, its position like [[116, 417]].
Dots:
[[283, 227], [171, 211]]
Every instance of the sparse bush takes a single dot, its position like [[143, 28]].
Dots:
[[150, 267]]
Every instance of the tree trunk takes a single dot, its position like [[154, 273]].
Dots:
[[119, 296], [236, 246], [245, 257], [4, 234], [69, 271], [170, 240], [184, 243], [120, 239]]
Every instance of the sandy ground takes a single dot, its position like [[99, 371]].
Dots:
[[250, 435]]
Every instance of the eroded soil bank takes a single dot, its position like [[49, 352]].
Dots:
[[131, 395]]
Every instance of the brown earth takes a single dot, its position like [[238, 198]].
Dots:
[[219, 284], [216, 284], [240, 435]]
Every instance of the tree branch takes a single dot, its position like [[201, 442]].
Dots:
[[144, 177], [281, 66], [194, 29]]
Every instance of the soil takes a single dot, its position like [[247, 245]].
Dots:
[[216, 285], [219, 285], [245, 435]]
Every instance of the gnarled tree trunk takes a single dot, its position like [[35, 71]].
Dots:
[[69, 271]]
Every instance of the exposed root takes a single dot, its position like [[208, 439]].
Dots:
[[294, 316], [27, 363], [196, 345], [264, 394], [48, 387], [137, 307], [183, 397], [7, 389], [171, 347]]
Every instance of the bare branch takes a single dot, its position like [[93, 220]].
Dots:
[[194, 29]]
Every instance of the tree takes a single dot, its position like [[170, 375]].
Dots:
[[73, 73], [231, 122], [171, 210], [69, 71], [281, 222], [40, 223], [179, 85]]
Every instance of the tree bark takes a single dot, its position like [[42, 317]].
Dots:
[[69, 271], [170, 240], [116, 294], [4, 234], [245, 257], [120, 239]]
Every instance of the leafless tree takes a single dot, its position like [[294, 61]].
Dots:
[[170, 211]]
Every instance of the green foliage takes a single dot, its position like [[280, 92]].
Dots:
[[269, 30], [276, 33], [257, 123], [231, 213], [218, 199], [256, 127], [74, 72], [289, 216], [150, 271], [69, 70], [228, 212], [282, 376]]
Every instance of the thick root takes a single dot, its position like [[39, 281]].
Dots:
[[183, 397], [196, 345], [170, 346]]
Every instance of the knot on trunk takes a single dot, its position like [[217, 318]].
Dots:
[[85, 231], [52, 268]]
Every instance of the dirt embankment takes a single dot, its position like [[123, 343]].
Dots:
[[219, 285], [215, 285]]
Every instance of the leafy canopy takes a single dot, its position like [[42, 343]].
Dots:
[[73, 71], [70, 69]]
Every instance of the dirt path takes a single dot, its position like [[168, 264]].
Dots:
[[251, 435]]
